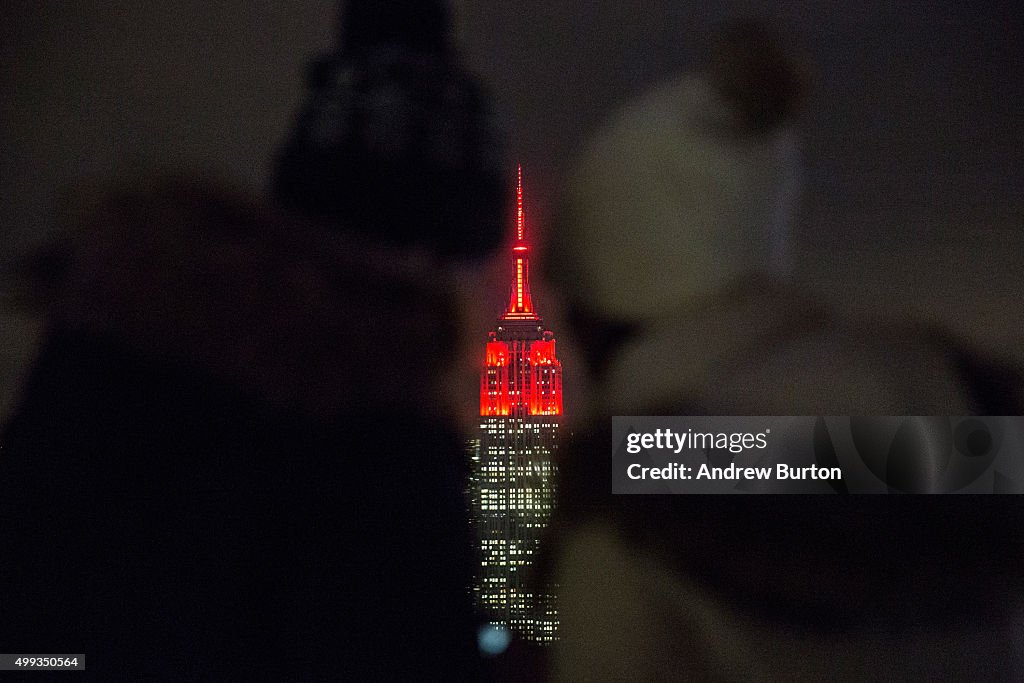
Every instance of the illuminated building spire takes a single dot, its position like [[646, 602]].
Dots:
[[522, 374], [520, 305]]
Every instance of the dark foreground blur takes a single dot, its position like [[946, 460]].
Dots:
[[231, 453]]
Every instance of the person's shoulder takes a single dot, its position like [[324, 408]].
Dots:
[[192, 270]]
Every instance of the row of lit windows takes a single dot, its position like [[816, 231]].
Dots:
[[494, 542], [534, 438], [504, 553], [515, 492], [514, 499], [518, 503], [503, 422], [521, 500], [494, 421]]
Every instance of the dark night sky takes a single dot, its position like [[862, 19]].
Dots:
[[915, 116], [914, 135]]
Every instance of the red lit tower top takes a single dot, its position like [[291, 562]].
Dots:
[[522, 375], [520, 304]]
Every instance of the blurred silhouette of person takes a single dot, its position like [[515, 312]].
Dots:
[[234, 456], [705, 165], [396, 140], [665, 253]]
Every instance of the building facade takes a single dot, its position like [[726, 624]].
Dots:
[[513, 471]]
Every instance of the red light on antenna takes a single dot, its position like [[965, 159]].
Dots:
[[520, 305], [519, 284], [519, 203]]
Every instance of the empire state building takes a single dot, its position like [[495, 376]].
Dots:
[[513, 473]]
